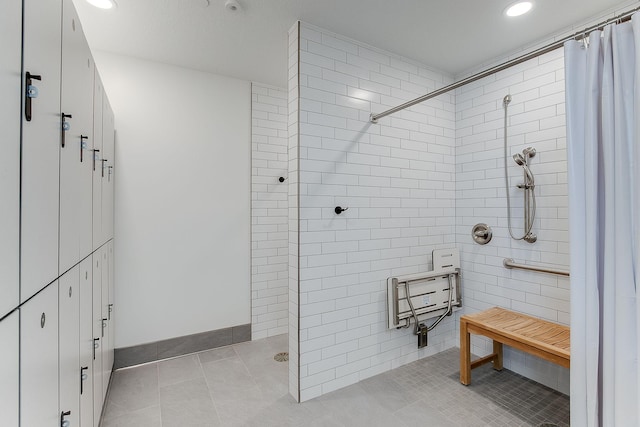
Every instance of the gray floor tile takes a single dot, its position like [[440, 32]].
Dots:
[[188, 403], [217, 354], [241, 385], [180, 369], [148, 417], [133, 389]]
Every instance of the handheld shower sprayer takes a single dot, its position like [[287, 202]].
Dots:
[[521, 159]]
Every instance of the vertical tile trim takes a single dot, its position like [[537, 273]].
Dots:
[[298, 204]]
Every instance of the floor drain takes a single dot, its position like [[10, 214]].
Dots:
[[281, 357]]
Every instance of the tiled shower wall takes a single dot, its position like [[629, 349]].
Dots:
[[397, 179], [536, 118], [269, 212]]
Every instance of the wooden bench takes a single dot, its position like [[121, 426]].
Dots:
[[541, 338]]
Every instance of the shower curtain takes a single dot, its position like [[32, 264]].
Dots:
[[603, 129]]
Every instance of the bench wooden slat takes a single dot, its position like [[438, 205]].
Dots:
[[539, 337]]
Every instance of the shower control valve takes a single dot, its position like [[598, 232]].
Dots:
[[481, 234]]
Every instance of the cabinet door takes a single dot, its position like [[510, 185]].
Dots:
[[110, 357], [10, 44], [97, 333], [86, 342], [69, 344], [40, 146], [39, 360], [106, 325], [77, 102], [98, 94], [9, 379], [108, 141]]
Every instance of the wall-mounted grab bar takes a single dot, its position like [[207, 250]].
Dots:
[[510, 263]]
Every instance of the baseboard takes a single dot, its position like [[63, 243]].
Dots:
[[165, 349]]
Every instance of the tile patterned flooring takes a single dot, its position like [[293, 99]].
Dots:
[[241, 385]]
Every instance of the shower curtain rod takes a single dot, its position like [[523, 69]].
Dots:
[[579, 35]]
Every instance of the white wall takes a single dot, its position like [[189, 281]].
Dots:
[[182, 206], [398, 180], [536, 119], [269, 212]]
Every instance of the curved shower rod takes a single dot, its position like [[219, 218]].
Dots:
[[579, 35]]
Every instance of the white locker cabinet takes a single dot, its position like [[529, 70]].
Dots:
[[41, 138], [10, 79], [39, 359], [69, 345], [9, 377], [77, 103], [111, 313], [106, 325], [108, 141], [86, 342], [97, 333], [98, 93]]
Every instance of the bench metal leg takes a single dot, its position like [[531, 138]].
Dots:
[[465, 354]]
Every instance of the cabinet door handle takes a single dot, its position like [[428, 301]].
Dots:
[[103, 166], [30, 92], [104, 325], [83, 145], [83, 377], [64, 126], [63, 422], [110, 305], [96, 345], [95, 154]]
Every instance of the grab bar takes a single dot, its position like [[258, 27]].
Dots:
[[510, 263]]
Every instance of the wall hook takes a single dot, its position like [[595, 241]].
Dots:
[[339, 210], [281, 179]]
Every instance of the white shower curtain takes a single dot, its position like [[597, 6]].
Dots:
[[603, 129]]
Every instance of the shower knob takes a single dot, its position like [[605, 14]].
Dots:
[[529, 152], [481, 234]]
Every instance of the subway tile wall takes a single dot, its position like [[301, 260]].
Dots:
[[269, 212], [536, 118], [397, 179]]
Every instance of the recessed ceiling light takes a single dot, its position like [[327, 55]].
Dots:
[[103, 4], [519, 8]]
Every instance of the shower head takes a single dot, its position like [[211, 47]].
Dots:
[[506, 100], [519, 159], [529, 152]]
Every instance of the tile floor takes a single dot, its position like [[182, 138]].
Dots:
[[241, 385]]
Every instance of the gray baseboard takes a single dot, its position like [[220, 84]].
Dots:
[[137, 354]]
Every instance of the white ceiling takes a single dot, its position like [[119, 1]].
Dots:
[[451, 35]]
